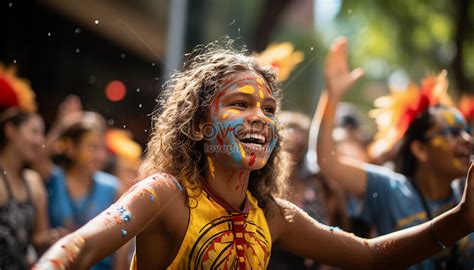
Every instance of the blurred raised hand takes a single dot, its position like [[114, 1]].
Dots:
[[337, 76]]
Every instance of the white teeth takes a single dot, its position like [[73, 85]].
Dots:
[[255, 136]]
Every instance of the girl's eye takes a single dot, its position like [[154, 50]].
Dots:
[[239, 104], [269, 110]]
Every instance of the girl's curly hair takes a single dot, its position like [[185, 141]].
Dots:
[[184, 102]]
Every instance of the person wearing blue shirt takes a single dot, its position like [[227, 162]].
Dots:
[[432, 141]]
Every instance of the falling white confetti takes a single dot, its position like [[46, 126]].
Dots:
[[138, 90], [91, 79], [96, 21], [122, 55], [146, 130], [349, 11], [153, 64], [139, 105], [49, 34], [312, 48], [77, 30], [14, 61], [78, 50], [124, 126], [10, 4], [110, 122]]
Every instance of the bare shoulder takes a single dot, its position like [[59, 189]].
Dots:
[[32, 177], [278, 214], [164, 190], [159, 184], [34, 182]]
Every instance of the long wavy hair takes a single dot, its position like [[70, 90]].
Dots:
[[184, 102]]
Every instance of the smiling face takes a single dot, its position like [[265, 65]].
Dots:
[[241, 131], [28, 137], [449, 143]]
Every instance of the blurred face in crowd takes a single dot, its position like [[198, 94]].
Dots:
[[89, 153], [28, 137], [449, 143], [295, 142]]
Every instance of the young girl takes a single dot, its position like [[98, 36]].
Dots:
[[434, 151], [212, 201]]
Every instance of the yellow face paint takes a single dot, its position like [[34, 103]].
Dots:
[[247, 89], [233, 111], [458, 164], [242, 152], [225, 116], [260, 93], [439, 142], [259, 83], [258, 104], [449, 117], [211, 167]]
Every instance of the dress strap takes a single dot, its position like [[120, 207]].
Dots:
[[3, 174], [9, 189]]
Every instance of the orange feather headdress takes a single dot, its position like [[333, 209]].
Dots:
[[15, 92], [120, 143], [282, 57], [395, 113]]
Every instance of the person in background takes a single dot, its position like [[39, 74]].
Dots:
[[124, 155], [71, 165], [434, 148], [23, 199]]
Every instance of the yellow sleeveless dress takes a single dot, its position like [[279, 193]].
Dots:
[[220, 237]]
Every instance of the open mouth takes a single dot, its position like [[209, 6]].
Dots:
[[252, 141]]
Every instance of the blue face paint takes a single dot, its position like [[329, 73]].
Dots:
[[226, 121]]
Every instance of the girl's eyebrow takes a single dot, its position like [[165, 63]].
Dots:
[[247, 95]]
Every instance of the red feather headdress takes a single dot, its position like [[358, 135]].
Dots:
[[15, 92], [395, 113]]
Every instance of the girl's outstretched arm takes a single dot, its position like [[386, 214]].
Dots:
[[115, 226], [308, 238]]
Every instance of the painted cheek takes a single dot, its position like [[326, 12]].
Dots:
[[273, 137], [440, 142], [457, 164], [230, 129]]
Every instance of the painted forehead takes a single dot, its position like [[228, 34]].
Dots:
[[451, 117], [248, 82]]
